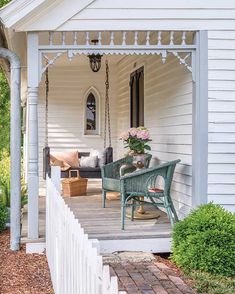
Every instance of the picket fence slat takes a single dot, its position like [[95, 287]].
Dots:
[[114, 285], [73, 259], [106, 279]]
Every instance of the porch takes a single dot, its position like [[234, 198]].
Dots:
[[104, 224], [171, 109]]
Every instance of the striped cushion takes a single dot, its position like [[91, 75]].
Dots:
[[155, 190]]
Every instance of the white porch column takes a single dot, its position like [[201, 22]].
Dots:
[[33, 179], [25, 141], [200, 121]]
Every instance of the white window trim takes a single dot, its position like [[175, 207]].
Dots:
[[95, 92]]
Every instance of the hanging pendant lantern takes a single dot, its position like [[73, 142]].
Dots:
[[95, 62], [95, 59]]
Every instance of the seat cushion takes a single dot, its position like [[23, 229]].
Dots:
[[84, 172], [90, 173], [89, 169], [155, 190]]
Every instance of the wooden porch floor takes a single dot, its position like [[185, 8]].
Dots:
[[104, 224]]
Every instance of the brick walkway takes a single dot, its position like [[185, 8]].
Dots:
[[148, 278]]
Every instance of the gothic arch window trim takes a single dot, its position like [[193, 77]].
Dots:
[[91, 112]]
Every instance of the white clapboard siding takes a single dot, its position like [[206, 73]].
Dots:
[[74, 262], [221, 178], [168, 115], [156, 4], [122, 15], [153, 14], [68, 86]]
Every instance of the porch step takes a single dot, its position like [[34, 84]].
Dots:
[[128, 256], [149, 245], [34, 245], [26, 240]]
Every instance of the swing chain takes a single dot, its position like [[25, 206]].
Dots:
[[46, 110], [107, 109]]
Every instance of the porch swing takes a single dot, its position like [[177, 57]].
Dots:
[[108, 151]]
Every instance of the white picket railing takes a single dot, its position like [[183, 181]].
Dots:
[[74, 262]]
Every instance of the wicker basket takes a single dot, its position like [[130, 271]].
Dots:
[[74, 187]]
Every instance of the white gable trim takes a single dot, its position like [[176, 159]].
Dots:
[[53, 16], [16, 10], [40, 14], [65, 15]]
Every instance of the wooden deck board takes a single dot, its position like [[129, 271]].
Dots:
[[105, 223]]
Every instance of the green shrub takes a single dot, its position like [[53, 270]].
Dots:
[[212, 284], [5, 178], [3, 216], [4, 111], [205, 240], [5, 182]]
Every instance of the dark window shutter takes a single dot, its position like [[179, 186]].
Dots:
[[137, 98]]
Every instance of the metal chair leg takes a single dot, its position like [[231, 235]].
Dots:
[[103, 198], [170, 216], [173, 210], [123, 215], [132, 210], [168, 210], [123, 211]]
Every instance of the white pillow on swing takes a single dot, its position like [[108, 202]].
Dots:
[[89, 161], [101, 154]]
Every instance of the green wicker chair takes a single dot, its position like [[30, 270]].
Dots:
[[143, 183], [111, 175]]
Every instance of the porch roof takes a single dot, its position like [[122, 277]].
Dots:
[[69, 15], [40, 15]]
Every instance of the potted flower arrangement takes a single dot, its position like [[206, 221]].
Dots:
[[136, 139]]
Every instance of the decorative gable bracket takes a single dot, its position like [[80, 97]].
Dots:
[[162, 43]]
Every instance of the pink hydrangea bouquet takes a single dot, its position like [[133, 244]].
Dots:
[[136, 140]]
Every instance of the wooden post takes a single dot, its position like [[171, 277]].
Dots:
[[200, 121], [33, 180]]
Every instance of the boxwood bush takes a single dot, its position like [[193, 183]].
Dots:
[[205, 240], [3, 216]]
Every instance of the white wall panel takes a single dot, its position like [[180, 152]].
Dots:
[[221, 178], [154, 15]]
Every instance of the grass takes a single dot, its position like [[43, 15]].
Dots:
[[212, 284]]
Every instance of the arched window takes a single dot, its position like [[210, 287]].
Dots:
[[91, 114]]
